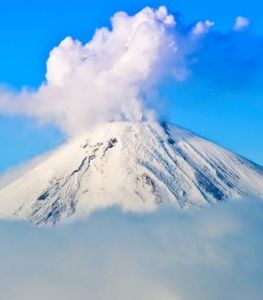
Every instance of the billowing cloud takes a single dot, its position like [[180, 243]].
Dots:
[[109, 77], [241, 23], [104, 79], [117, 74]]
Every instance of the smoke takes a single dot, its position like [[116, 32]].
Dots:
[[118, 73], [102, 80], [108, 78]]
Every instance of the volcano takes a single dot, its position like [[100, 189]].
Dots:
[[134, 165]]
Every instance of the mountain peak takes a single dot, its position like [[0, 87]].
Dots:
[[136, 165]]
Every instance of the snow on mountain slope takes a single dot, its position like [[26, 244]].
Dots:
[[136, 165]]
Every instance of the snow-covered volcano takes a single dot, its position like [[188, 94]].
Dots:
[[136, 165]]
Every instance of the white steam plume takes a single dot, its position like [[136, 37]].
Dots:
[[104, 80]]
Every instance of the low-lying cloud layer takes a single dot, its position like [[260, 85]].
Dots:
[[214, 254]]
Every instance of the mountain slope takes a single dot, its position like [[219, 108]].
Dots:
[[134, 165]]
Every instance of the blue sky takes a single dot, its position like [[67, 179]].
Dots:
[[221, 100]]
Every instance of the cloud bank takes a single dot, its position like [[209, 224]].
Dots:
[[214, 254]]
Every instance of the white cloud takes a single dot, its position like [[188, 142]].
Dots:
[[162, 14], [168, 255], [105, 79], [241, 23], [64, 60], [202, 28]]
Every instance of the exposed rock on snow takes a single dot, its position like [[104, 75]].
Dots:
[[134, 165]]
